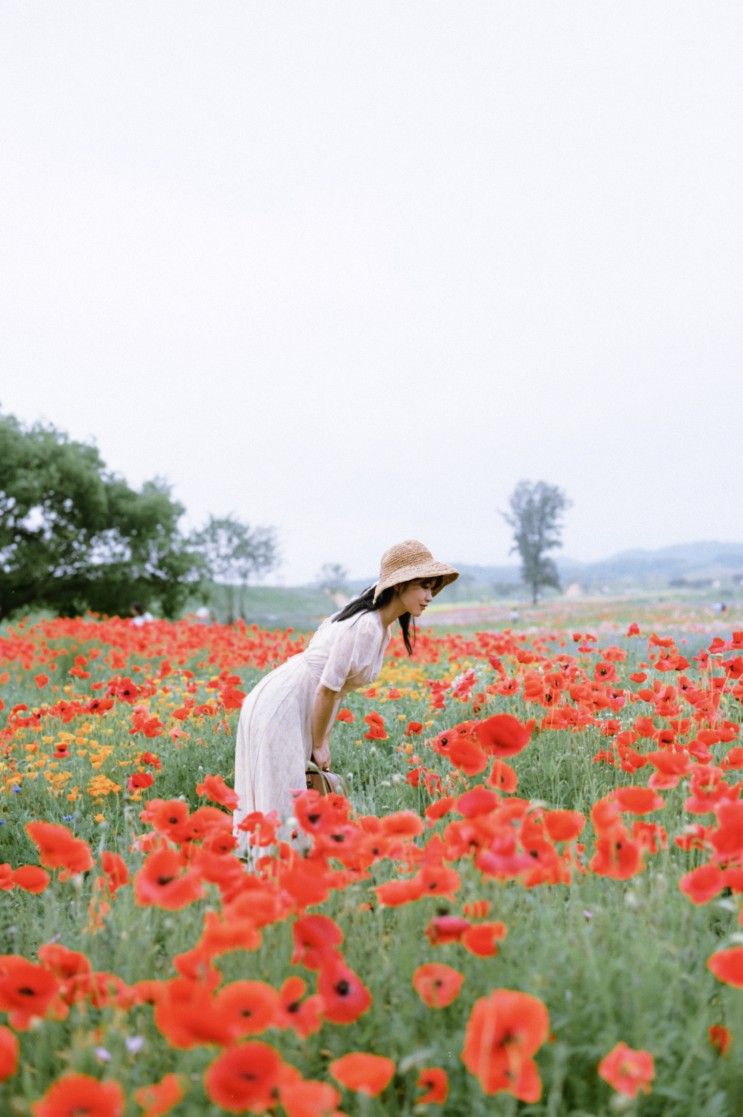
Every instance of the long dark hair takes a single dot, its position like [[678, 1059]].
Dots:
[[365, 603]]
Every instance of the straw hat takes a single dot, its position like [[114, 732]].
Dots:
[[407, 561]]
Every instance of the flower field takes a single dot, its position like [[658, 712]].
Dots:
[[531, 903]]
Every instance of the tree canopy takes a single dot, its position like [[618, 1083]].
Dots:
[[233, 553], [535, 515], [76, 537]]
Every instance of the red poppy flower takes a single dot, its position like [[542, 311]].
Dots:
[[9, 1051], [248, 1007], [214, 788], [309, 1098], [344, 714], [244, 1077], [63, 962], [26, 990], [435, 1082], [628, 1071], [160, 1097], [363, 1073], [114, 866], [31, 878], [504, 1030], [503, 734], [444, 929], [168, 817], [727, 966], [344, 995], [483, 938], [185, 1013], [315, 936], [503, 777], [303, 1016], [59, 848], [703, 884], [720, 1038], [637, 800], [80, 1095], [163, 882], [436, 984], [138, 781], [617, 856], [394, 893]]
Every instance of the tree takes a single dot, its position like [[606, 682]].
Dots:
[[333, 578], [535, 516], [74, 536], [234, 552]]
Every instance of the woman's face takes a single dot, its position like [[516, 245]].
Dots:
[[415, 596]]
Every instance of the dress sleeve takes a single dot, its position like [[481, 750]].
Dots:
[[353, 649]]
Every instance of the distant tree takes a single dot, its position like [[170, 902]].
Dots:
[[74, 536], [535, 516], [234, 552], [333, 578]]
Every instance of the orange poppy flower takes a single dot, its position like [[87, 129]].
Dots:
[[628, 1071], [76, 1094], [435, 1082], [160, 1097], [436, 984], [727, 966], [244, 1077], [363, 1073], [59, 848], [247, 1007], [344, 995], [9, 1051], [503, 1031]]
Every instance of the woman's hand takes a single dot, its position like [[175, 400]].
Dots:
[[321, 755]]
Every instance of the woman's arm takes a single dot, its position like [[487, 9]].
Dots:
[[322, 715]]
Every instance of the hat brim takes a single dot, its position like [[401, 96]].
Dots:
[[416, 572]]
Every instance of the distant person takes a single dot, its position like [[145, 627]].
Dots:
[[286, 719], [140, 615], [202, 614], [719, 607], [514, 615]]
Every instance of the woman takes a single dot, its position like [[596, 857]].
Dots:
[[287, 717]]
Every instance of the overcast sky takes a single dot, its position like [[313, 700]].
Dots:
[[355, 269]]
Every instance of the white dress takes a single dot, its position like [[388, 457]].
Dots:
[[274, 733]]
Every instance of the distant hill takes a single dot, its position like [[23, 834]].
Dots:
[[702, 565]]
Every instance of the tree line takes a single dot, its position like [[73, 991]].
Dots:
[[75, 537]]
